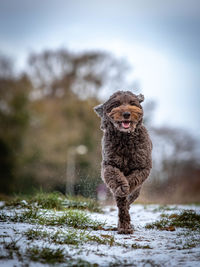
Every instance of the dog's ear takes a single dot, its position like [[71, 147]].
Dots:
[[99, 110], [140, 98]]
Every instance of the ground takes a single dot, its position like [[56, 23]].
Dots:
[[78, 233]]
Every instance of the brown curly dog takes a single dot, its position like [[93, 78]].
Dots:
[[126, 149]]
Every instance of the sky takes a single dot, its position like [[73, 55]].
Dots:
[[160, 39]]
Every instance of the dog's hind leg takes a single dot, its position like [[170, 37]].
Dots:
[[124, 220]]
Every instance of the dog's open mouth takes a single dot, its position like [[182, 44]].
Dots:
[[126, 124]]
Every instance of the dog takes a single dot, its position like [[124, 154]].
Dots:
[[126, 151]]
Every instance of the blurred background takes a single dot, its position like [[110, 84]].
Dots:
[[58, 59]]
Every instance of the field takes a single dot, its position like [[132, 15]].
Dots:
[[49, 229]]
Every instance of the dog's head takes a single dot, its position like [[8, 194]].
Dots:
[[122, 110]]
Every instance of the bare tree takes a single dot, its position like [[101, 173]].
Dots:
[[176, 165], [59, 73]]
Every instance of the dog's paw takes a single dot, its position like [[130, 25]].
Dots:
[[124, 228], [124, 231], [122, 191]]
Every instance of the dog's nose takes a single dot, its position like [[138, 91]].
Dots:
[[126, 115]]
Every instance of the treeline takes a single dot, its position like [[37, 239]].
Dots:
[[175, 177], [46, 111]]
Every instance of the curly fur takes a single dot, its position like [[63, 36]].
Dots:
[[126, 151]]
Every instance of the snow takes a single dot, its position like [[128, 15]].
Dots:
[[165, 246], [2, 203]]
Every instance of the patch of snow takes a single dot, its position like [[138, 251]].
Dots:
[[2, 203], [165, 247]]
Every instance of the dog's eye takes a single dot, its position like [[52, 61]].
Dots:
[[114, 105], [132, 103]]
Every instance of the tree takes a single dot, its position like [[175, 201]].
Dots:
[[62, 73], [176, 166], [14, 120], [66, 88], [49, 110]]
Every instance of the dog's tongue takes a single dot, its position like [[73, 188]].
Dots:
[[126, 124]]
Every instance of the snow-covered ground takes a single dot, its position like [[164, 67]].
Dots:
[[145, 247]]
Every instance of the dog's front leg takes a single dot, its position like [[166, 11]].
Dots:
[[116, 181], [137, 177]]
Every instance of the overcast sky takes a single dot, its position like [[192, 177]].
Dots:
[[159, 38]]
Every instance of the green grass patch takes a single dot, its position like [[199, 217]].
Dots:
[[82, 203], [71, 237], [40, 199], [11, 249], [104, 239], [54, 200], [186, 219], [71, 218], [48, 200], [29, 216], [46, 254], [35, 234], [162, 208], [59, 237]]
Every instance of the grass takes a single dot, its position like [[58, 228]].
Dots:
[[54, 200], [35, 234], [104, 239], [82, 203], [48, 200], [11, 248], [71, 237], [27, 216], [72, 218], [72, 231], [188, 243], [46, 254], [60, 238], [3, 217], [186, 219], [164, 208], [39, 199]]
